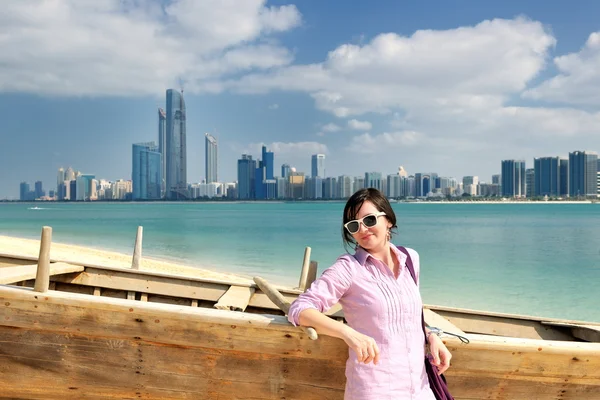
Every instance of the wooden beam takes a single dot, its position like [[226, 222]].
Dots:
[[21, 273], [129, 280], [42, 277], [302, 285], [97, 291], [236, 298]]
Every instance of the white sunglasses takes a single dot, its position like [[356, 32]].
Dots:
[[368, 221]]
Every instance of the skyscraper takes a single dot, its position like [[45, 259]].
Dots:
[[24, 191], [146, 174], [176, 168], [211, 157], [39, 190], [318, 165], [245, 171], [513, 178], [162, 147], [583, 168], [268, 162], [373, 180], [285, 170], [547, 176]]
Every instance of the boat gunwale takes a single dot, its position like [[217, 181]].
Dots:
[[263, 321]]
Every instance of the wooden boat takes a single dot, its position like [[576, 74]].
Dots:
[[72, 331]]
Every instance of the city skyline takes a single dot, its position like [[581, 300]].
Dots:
[[438, 87]]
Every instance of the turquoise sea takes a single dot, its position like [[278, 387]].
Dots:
[[534, 259]]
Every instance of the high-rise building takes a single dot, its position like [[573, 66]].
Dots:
[[210, 158], [513, 178], [318, 165], [39, 190], [24, 191], [529, 182], [245, 171], [547, 177], [267, 162], [176, 168], [286, 169], [85, 187], [496, 179], [564, 176], [423, 183], [583, 170], [146, 171], [162, 148], [374, 180], [345, 185], [70, 174]]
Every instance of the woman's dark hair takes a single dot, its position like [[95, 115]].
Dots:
[[354, 204]]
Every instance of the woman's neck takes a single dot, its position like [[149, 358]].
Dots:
[[384, 255]]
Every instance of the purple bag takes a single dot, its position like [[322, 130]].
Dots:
[[437, 382]]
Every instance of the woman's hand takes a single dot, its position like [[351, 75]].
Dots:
[[439, 352], [365, 347]]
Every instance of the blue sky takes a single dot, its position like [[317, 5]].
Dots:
[[450, 87]]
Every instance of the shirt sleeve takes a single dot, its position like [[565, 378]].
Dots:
[[326, 290]]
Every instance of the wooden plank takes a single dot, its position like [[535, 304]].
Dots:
[[132, 368], [20, 273], [434, 319], [144, 297], [97, 291], [128, 281], [503, 326], [130, 295], [589, 333], [162, 323], [235, 299], [454, 310]]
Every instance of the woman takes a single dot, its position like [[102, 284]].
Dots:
[[382, 306]]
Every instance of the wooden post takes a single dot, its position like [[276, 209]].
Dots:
[[280, 301], [42, 278], [137, 250], [302, 285]]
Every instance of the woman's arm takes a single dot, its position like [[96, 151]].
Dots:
[[365, 347]]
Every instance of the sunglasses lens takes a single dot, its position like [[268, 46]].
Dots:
[[353, 227], [370, 221]]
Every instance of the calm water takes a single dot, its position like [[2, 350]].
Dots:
[[536, 259]]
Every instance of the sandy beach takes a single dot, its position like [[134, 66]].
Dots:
[[85, 255]]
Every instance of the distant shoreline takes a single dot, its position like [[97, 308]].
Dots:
[[279, 201]]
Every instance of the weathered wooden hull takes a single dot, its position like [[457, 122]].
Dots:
[[72, 346]]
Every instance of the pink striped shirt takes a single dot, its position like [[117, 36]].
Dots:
[[387, 309]]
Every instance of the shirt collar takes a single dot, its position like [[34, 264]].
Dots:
[[361, 255]]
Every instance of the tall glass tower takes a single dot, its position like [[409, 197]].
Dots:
[[583, 169], [513, 178], [210, 158], [146, 171], [318, 165], [176, 168], [245, 171], [162, 147]]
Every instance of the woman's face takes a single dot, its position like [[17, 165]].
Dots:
[[372, 238]]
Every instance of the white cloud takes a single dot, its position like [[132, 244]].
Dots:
[[273, 106], [367, 143], [579, 79], [114, 47], [330, 127], [360, 125], [477, 66]]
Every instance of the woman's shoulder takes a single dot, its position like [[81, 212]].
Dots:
[[344, 265], [412, 252]]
